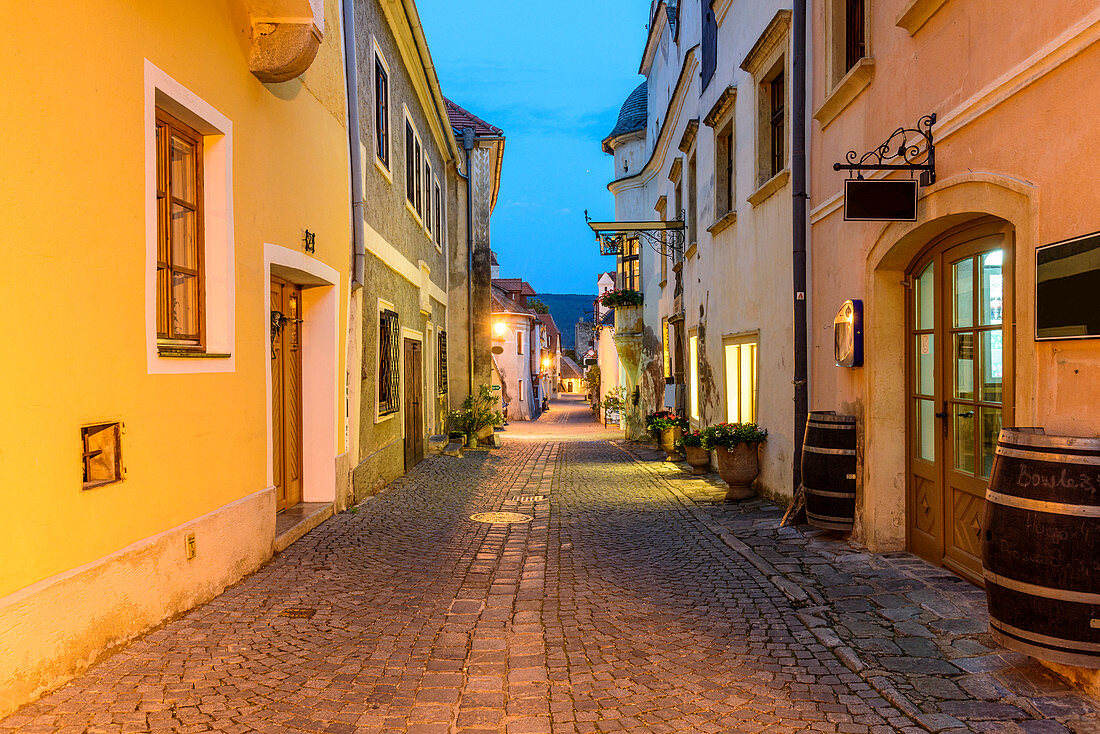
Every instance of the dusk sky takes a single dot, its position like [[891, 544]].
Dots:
[[553, 78]]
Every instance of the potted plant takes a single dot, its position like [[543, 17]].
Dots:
[[475, 415], [615, 402], [693, 446], [668, 427], [628, 309], [736, 446]]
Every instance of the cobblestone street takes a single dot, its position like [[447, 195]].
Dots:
[[633, 601]]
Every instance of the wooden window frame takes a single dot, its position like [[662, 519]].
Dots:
[[418, 190], [441, 372], [381, 113], [410, 164], [389, 363], [428, 178], [87, 454], [750, 341], [777, 110], [438, 194], [855, 33], [629, 275], [171, 125]]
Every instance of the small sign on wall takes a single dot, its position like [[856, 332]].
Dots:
[[1067, 281]]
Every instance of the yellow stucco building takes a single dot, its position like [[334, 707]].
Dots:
[[175, 277]]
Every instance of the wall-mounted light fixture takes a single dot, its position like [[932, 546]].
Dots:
[[848, 334]]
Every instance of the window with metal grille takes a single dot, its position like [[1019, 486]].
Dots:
[[442, 371], [855, 45], [418, 186], [389, 365], [438, 209], [776, 113], [381, 113]]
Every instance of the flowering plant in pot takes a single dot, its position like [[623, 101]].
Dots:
[[693, 445], [668, 427], [736, 446], [621, 297]]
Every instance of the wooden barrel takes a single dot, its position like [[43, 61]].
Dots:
[[829, 470], [1041, 547]]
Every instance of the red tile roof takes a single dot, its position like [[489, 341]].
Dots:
[[462, 119], [551, 327], [515, 285]]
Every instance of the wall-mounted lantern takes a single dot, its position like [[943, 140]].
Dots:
[[848, 334]]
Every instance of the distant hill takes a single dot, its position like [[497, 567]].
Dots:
[[566, 308]]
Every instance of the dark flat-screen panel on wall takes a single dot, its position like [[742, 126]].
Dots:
[[1067, 289]]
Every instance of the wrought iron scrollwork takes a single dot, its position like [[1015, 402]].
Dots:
[[663, 241], [914, 147]]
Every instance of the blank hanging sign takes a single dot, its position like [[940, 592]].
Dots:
[[880, 201]]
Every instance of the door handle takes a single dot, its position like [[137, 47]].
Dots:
[[941, 415], [967, 414]]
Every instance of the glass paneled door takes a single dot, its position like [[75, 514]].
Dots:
[[959, 369]]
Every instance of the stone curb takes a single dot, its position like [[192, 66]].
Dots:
[[797, 596]]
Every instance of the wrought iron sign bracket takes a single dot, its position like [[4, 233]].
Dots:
[[663, 236], [914, 146]]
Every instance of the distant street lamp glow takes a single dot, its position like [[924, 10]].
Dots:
[[546, 362], [499, 328]]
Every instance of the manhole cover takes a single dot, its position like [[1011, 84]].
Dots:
[[500, 517], [298, 613]]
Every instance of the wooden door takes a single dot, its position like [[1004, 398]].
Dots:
[[960, 371], [286, 392], [414, 403]]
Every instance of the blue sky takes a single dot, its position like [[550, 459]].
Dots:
[[552, 76]]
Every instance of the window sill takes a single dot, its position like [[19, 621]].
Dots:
[[385, 417], [678, 266], [178, 353], [769, 187], [663, 283], [415, 214], [691, 251], [383, 170], [917, 13], [726, 220], [847, 89]]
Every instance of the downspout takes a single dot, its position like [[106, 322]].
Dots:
[[798, 230], [468, 145], [351, 74]]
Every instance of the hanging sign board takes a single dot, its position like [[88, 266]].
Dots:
[[880, 201], [1067, 279], [498, 350]]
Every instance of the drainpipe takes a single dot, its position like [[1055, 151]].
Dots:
[[351, 75], [798, 230], [468, 145]]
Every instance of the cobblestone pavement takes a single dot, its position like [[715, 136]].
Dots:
[[630, 602]]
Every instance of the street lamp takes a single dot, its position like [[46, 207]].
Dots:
[[500, 328], [546, 362]]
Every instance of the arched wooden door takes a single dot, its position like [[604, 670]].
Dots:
[[960, 378]]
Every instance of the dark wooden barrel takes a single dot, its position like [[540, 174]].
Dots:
[[1041, 547], [829, 470]]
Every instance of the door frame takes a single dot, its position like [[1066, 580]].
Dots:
[[932, 252], [417, 336], [286, 448], [321, 351]]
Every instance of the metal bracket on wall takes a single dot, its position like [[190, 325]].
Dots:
[[917, 153], [664, 236]]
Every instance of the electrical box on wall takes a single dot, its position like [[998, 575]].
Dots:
[[848, 334]]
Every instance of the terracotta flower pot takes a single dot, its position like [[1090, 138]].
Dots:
[[739, 466], [699, 459], [668, 442]]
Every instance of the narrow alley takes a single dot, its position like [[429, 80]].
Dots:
[[633, 600]]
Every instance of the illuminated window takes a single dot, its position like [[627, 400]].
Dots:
[[665, 351], [693, 361], [740, 357]]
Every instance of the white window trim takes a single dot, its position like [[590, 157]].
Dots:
[[379, 56], [694, 397], [378, 417], [442, 215], [218, 243], [410, 205], [407, 333]]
